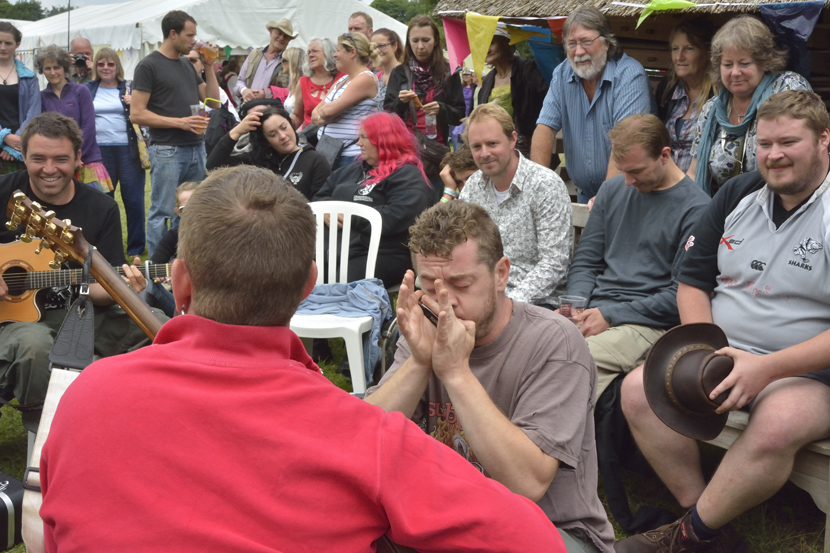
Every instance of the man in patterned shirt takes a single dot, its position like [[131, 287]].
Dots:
[[528, 202], [631, 249]]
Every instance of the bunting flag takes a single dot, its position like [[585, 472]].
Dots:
[[458, 47], [519, 35], [480, 32], [556, 25], [663, 5]]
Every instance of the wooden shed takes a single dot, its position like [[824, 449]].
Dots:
[[648, 43]]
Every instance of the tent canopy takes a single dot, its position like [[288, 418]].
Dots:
[[136, 25]]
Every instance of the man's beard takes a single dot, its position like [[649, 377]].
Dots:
[[597, 65], [485, 322], [802, 180]]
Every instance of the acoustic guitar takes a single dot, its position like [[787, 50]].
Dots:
[[25, 273], [67, 242]]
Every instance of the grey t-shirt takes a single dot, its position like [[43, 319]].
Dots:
[[770, 282], [540, 374], [631, 250], [174, 87]]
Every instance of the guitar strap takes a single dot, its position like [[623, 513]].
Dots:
[[72, 352], [74, 344]]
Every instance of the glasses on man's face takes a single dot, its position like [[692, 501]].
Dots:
[[105, 64], [571, 45]]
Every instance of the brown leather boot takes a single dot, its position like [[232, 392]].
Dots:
[[679, 537]]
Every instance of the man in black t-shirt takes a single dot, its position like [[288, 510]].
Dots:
[[51, 148], [165, 88]]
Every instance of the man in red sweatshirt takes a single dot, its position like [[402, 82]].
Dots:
[[225, 436]]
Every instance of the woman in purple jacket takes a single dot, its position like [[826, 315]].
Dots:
[[75, 101]]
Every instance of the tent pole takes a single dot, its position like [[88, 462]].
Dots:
[[68, 11]]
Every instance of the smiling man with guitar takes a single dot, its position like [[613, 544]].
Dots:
[[51, 149]]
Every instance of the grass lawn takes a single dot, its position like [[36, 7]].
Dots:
[[789, 522]]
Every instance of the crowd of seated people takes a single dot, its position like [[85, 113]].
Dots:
[[707, 205]]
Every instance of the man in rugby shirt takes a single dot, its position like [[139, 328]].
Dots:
[[759, 252]]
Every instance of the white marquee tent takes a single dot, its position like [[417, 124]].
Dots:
[[133, 29]]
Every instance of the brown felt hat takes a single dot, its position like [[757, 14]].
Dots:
[[681, 370]]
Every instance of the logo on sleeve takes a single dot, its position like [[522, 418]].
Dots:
[[805, 247], [690, 242], [757, 265]]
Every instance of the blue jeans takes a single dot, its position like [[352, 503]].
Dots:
[[123, 168], [343, 161], [169, 167]]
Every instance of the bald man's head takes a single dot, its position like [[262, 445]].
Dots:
[[81, 46]]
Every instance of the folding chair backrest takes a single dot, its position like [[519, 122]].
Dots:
[[348, 209]]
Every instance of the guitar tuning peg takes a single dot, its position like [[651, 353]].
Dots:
[[19, 197], [60, 257], [12, 225], [25, 238], [37, 206], [49, 215], [44, 243], [67, 222], [67, 236]]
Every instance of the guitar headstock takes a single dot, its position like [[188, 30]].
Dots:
[[59, 236]]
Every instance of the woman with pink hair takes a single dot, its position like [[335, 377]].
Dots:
[[391, 179]]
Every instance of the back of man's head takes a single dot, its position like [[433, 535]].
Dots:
[[441, 228], [798, 104], [247, 238], [175, 21], [639, 130], [52, 124]]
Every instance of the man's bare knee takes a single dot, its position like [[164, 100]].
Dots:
[[786, 419]]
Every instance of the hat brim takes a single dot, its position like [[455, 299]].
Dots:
[[699, 427]]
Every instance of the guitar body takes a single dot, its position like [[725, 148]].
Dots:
[[18, 258], [68, 242]]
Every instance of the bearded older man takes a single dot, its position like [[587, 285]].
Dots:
[[596, 88]]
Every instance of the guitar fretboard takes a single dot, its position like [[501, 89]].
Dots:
[[36, 280]]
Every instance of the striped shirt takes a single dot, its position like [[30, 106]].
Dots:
[[623, 90], [347, 127]]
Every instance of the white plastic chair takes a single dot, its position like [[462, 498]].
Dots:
[[332, 326]]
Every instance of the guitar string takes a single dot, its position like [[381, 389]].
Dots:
[[69, 274]]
